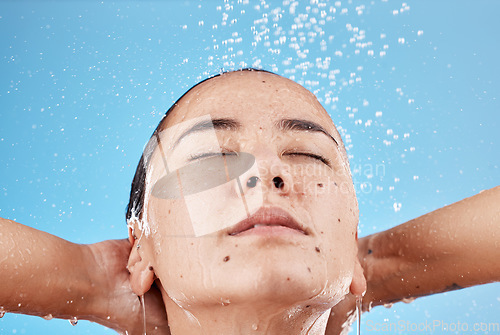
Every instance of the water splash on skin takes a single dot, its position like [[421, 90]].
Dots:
[[142, 224], [319, 325], [190, 315], [225, 302], [145, 225]]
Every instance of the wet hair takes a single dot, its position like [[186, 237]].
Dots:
[[138, 189]]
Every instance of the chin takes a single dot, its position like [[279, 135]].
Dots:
[[279, 277], [284, 273]]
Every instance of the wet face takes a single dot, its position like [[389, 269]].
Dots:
[[283, 230]]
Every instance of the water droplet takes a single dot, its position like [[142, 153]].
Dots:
[[48, 317], [255, 326], [409, 300], [370, 306], [388, 305], [2, 312], [73, 321]]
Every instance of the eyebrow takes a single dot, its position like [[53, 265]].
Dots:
[[303, 125], [225, 124]]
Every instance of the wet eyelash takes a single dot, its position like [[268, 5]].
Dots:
[[211, 154], [318, 157]]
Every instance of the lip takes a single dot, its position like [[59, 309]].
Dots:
[[269, 221]]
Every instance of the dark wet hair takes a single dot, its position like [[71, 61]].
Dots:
[[138, 189]]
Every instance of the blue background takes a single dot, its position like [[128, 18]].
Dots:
[[413, 85]]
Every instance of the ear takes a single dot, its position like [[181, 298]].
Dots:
[[358, 284], [131, 236], [141, 271]]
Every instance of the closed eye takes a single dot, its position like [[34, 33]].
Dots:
[[307, 154], [211, 154]]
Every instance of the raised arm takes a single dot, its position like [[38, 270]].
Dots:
[[44, 275], [450, 248]]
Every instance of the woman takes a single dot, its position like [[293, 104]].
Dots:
[[276, 267], [287, 255], [248, 111]]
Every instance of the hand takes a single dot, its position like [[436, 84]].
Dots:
[[116, 305]]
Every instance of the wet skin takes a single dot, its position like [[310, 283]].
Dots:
[[303, 178]]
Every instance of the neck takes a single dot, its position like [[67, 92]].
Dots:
[[232, 319]]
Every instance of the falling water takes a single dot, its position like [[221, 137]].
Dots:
[[358, 312], [143, 305]]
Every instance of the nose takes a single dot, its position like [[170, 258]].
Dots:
[[274, 176], [278, 182]]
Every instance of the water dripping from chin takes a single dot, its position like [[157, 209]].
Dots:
[[143, 306], [359, 301]]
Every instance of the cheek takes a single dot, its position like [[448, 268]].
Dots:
[[179, 264], [327, 193], [171, 217], [329, 200]]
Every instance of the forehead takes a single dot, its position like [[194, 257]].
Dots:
[[252, 96]]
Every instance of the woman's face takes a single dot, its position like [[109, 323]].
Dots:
[[292, 181]]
